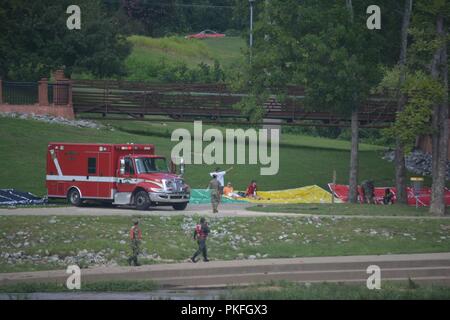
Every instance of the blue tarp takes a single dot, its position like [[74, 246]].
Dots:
[[13, 197]]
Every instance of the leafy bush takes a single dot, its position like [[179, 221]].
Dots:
[[181, 73]]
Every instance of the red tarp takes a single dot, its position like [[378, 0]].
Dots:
[[423, 199]]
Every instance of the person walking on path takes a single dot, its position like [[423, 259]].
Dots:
[[201, 234], [135, 242], [214, 188]]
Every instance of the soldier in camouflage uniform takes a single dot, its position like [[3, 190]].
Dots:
[[214, 187], [201, 233], [135, 242]]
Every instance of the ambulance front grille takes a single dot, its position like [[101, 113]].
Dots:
[[175, 184]]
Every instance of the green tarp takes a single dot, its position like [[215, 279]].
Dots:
[[201, 196]]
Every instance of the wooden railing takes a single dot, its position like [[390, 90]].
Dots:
[[210, 101]]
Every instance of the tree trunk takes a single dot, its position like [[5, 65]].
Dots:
[[353, 192], [400, 174], [349, 6], [435, 125], [440, 125], [353, 180], [400, 168]]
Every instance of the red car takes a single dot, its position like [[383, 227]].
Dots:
[[205, 34]]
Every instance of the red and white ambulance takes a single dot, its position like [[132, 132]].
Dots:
[[123, 174]]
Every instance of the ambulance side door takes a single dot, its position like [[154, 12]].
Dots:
[[125, 181], [106, 184], [92, 174]]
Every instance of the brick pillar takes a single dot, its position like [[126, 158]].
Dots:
[[62, 93], [70, 86], [59, 75], [43, 92]]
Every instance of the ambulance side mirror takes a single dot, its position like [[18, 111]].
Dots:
[[122, 167], [173, 167], [182, 168]]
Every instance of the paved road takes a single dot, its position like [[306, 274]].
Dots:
[[226, 210]]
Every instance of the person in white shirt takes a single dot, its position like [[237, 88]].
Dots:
[[220, 177]]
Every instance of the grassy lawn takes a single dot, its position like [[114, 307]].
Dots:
[[270, 291], [30, 243], [148, 50], [343, 209], [150, 54], [104, 286], [164, 129], [23, 145], [340, 291]]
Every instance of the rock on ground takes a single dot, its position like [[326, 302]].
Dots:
[[417, 162]]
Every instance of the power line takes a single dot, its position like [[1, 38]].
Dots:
[[200, 6], [161, 4]]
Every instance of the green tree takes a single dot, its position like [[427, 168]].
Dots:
[[424, 87], [38, 41], [400, 166], [325, 47], [421, 92], [436, 13], [159, 18]]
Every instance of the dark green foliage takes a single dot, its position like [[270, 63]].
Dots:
[[422, 91], [157, 18], [181, 73], [36, 40], [315, 44]]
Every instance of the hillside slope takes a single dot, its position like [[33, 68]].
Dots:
[[190, 51], [23, 154]]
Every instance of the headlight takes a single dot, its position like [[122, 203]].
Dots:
[[168, 185]]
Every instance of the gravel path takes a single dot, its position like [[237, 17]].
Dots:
[[226, 210]]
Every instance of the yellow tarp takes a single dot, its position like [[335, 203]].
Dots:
[[310, 194]]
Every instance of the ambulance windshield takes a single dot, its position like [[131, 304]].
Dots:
[[151, 165]]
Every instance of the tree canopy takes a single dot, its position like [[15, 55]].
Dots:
[[35, 40], [316, 44]]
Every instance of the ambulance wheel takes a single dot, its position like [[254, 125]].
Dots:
[[74, 197], [180, 206], [142, 200]]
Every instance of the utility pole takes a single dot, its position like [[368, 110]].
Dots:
[[251, 28]]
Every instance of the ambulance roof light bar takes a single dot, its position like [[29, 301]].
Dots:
[[134, 147]]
